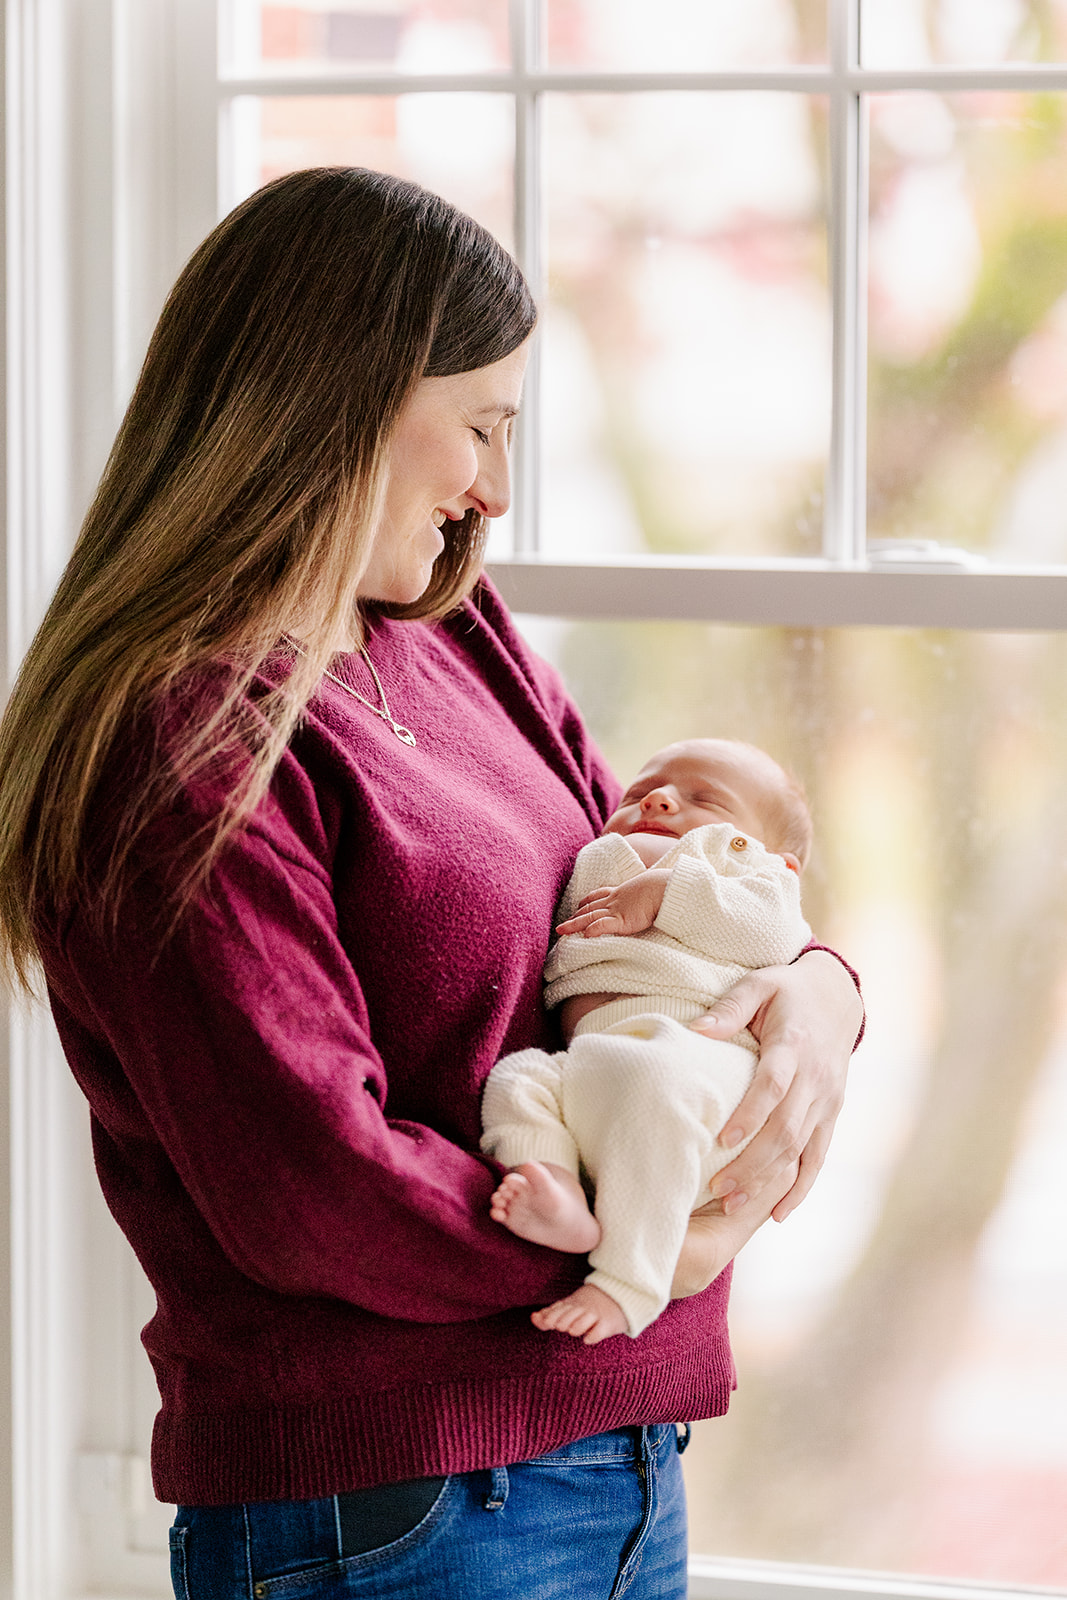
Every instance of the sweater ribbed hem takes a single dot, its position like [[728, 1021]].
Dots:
[[303, 1453]]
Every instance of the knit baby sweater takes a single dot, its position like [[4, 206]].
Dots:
[[730, 905], [285, 1097]]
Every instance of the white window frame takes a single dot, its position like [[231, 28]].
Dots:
[[110, 181], [844, 586], [110, 155]]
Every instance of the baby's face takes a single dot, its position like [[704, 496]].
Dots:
[[690, 784]]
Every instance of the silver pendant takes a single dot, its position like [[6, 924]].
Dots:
[[405, 735]]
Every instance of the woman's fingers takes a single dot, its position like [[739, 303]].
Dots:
[[743, 1006], [805, 1017], [712, 1239], [746, 1006], [768, 1091], [810, 1164], [778, 1148]]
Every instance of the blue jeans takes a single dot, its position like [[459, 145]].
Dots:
[[599, 1518]]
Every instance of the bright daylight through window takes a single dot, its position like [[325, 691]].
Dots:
[[787, 249]]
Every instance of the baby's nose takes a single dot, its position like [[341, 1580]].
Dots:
[[659, 800]]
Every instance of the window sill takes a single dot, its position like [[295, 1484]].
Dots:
[[804, 594], [721, 1578]]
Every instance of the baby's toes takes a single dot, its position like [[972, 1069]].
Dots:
[[580, 1323], [548, 1318]]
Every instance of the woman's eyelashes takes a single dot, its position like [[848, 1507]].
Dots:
[[481, 435]]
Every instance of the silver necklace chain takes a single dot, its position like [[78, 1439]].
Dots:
[[405, 735]]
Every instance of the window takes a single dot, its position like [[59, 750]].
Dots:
[[801, 271], [790, 469], [803, 369]]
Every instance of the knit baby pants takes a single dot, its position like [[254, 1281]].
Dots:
[[637, 1108]]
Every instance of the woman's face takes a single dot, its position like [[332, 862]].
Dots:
[[449, 453]]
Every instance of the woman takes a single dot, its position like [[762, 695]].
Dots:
[[285, 809]]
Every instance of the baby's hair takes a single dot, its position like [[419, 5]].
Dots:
[[787, 811], [793, 825], [785, 808]]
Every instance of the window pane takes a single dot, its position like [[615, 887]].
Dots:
[[902, 1341], [361, 35], [968, 322], [917, 33], [687, 340], [686, 35], [459, 145]]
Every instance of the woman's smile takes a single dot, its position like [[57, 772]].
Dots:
[[448, 457]]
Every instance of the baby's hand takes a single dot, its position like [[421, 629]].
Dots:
[[630, 908]]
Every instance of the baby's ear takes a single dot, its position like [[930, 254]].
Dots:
[[791, 861]]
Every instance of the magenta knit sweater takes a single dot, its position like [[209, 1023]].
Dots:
[[285, 1103]]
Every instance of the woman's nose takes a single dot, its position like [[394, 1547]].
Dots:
[[490, 493], [659, 800]]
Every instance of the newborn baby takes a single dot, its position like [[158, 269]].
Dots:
[[694, 881]]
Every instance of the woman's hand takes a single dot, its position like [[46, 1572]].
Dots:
[[712, 1239], [806, 1017]]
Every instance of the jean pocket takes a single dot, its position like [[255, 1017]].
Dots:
[[179, 1570], [375, 1526], [368, 1519]]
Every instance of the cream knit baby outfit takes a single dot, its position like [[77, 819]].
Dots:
[[636, 1103]]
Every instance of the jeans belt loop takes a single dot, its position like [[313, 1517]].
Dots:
[[496, 1499]]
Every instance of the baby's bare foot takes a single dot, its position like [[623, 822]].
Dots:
[[547, 1205], [588, 1314]]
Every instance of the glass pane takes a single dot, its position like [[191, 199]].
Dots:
[[968, 322], [918, 33], [459, 145], [685, 35], [362, 35], [687, 337], [902, 1341]]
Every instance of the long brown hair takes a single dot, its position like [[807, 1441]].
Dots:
[[241, 493]]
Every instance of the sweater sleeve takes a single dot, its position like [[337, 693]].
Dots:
[[607, 861], [731, 900], [244, 1051]]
